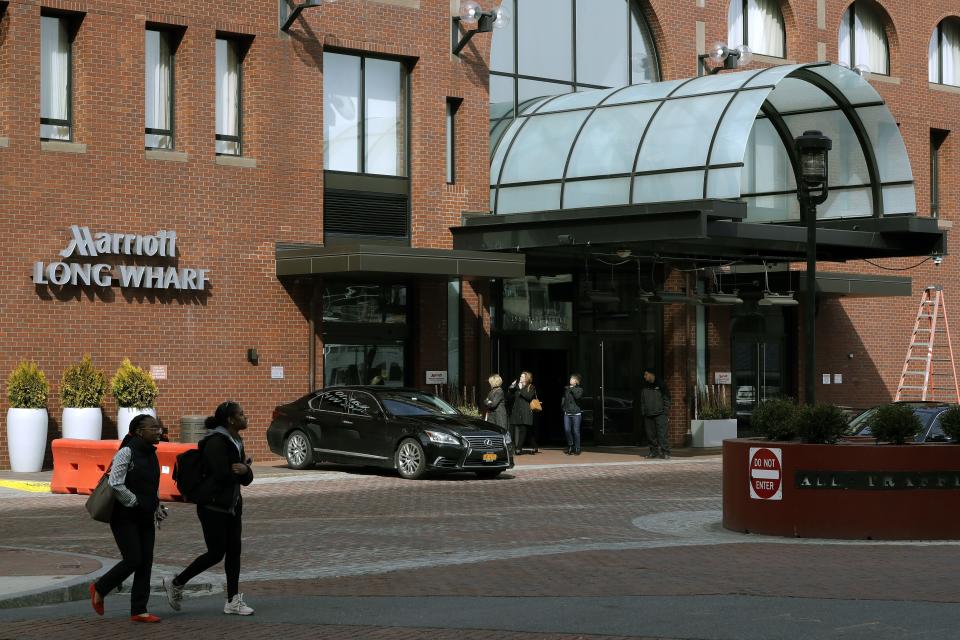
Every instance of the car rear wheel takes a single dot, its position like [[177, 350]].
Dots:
[[488, 474], [298, 451], [410, 460]]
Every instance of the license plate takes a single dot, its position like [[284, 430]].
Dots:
[[489, 457]]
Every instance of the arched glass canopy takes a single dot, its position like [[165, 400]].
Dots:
[[726, 136]]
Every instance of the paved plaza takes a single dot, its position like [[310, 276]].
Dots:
[[622, 549]]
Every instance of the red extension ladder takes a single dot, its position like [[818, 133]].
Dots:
[[924, 374]]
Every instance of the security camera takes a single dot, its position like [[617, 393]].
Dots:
[[937, 260]]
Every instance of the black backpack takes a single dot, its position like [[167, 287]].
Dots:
[[188, 473]]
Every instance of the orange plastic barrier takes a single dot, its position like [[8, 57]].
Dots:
[[79, 464]]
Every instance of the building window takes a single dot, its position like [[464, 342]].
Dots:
[[158, 127], [863, 39], [937, 138], [944, 52], [364, 114], [757, 24], [560, 46], [229, 87], [453, 104], [55, 78]]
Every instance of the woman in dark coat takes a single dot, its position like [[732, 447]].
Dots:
[[135, 479], [572, 414], [522, 392], [496, 403], [220, 507]]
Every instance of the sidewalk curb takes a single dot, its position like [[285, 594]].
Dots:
[[73, 588]]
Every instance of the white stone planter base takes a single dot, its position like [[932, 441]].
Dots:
[[26, 439], [712, 433], [126, 414], [82, 423]]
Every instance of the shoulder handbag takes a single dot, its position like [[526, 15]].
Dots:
[[535, 404], [100, 503]]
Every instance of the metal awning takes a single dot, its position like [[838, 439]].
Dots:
[[705, 229], [374, 259], [829, 283]]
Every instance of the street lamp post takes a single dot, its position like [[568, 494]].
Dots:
[[812, 148]]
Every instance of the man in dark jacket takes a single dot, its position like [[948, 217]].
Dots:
[[654, 405]]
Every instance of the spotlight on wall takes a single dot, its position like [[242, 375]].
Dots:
[[486, 21], [724, 57]]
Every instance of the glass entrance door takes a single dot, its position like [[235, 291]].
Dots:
[[757, 371], [610, 385]]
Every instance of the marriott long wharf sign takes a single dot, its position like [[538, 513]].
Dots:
[[84, 244]]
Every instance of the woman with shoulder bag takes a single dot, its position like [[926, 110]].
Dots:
[[522, 392], [220, 506], [135, 479]]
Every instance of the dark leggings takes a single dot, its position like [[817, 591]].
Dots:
[[222, 533], [135, 536]]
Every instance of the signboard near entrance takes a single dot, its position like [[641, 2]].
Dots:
[[766, 473], [436, 377], [722, 377]]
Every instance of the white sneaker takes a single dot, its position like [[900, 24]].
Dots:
[[174, 593], [237, 606]]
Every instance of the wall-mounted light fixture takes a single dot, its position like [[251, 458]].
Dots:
[[252, 356], [724, 58], [292, 11], [486, 21]]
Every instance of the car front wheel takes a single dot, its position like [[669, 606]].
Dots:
[[410, 460], [298, 451]]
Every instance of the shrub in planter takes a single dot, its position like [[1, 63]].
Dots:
[[27, 390], [775, 419], [135, 392], [81, 390], [713, 403], [950, 421], [895, 423], [820, 424]]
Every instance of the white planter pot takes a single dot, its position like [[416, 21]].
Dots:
[[82, 423], [126, 414], [26, 438], [712, 433]]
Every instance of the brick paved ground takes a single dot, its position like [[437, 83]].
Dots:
[[326, 544]]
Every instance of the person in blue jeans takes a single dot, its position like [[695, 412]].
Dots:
[[572, 414]]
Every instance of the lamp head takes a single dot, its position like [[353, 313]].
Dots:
[[470, 11], [812, 147], [501, 17]]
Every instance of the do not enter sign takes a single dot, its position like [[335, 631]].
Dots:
[[766, 474]]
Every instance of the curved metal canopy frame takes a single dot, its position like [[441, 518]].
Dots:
[[695, 139]]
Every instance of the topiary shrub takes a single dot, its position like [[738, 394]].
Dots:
[[133, 387], [27, 387], [775, 419], [894, 423], [82, 385], [820, 424], [950, 421]]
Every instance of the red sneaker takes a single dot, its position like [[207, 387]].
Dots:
[[97, 606], [145, 617]]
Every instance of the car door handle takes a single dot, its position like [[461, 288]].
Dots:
[[347, 421]]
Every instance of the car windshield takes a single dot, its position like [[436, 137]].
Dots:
[[413, 403]]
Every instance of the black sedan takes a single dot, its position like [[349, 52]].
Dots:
[[404, 429], [928, 412]]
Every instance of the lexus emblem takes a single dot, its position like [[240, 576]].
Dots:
[[488, 442]]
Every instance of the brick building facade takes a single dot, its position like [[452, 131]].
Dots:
[[230, 213]]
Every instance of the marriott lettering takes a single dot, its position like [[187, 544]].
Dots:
[[83, 243]]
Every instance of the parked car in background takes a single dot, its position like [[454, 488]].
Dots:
[[404, 429], [928, 412]]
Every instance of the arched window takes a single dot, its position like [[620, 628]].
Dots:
[[560, 46], [862, 39], [757, 24], [945, 52]]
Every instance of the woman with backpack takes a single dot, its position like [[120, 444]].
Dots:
[[219, 506], [135, 480]]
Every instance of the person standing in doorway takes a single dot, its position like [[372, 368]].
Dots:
[[522, 392], [135, 480], [572, 414], [220, 506], [495, 403], [654, 405]]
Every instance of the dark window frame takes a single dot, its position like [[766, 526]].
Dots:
[[937, 138], [746, 31], [452, 108], [939, 31], [73, 21], [852, 10], [242, 43], [405, 86], [175, 34]]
